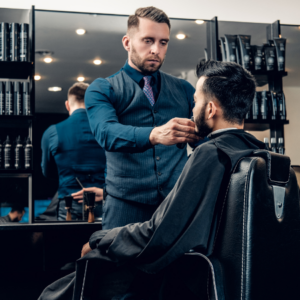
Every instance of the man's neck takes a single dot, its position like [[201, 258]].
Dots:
[[75, 108], [226, 125]]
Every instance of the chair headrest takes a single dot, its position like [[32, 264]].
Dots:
[[278, 166]]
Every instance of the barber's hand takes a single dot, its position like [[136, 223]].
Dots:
[[79, 195], [85, 249], [175, 131]]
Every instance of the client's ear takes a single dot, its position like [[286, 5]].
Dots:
[[212, 109]]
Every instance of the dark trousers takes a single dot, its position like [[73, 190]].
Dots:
[[117, 212]]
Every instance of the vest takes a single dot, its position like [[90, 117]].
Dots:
[[142, 177], [78, 155]]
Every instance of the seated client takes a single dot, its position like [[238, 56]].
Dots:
[[139, 261]]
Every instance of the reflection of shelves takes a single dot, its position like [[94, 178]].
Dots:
[[15, 173], [262, 77], [261, 125], [15, 69], [15, 121]]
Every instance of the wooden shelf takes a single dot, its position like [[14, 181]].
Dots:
[[261, 125], [15, 69], [22, 173]]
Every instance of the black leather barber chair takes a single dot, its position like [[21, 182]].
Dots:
[[257, 247]]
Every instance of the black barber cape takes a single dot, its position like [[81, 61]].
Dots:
[[185, 220]]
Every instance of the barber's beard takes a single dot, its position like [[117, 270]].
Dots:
[[203, 129], [140, 63]]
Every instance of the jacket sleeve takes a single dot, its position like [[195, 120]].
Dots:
[[109, 133]]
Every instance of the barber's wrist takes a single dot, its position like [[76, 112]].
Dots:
[[152, 137]]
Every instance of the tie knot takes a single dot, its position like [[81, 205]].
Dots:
[[147, 79]]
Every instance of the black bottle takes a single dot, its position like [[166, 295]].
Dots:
[[281, 105], [2, 98], [24, 35], [9, 98], [7, 154], [1, 155], [266, 141], [281, 149], [255, 107], [264, 105], [4, 42], [18, 104], [273, 106], [19, 154], [28, 154], [14, 42], [273, 145], [26, 99]]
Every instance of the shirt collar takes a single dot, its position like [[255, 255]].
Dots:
[[220, 130], [136, 75], [78, 110]]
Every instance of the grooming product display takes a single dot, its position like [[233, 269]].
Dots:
[[68, 204], [279, 44], [205, 54], [9, 98], [223, 49], [266, 141], [244, 50], [257, 52], [14, 35], [255, 107], [270, 58], [1, 155], [2, 98], [4, 42], [273, 106], [19, 154], [24, 36], [264, 105], [88, 207], [281, 149], [7, 154], [26, 99], [231, 48], [28, 154], [18, 103], [281, 105], [273, 145]]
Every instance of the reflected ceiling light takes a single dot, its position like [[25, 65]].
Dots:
[[54, 89], [48, 60], [80, 78], [280, 35], [97, 62], [37, 77], [181, 36], [199, 22], [80, 31]]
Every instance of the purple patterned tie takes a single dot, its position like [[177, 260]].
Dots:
[[148, 89]]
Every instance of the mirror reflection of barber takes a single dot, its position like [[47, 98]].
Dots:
[[70, 150], [138, 115]]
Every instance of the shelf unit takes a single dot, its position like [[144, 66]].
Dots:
[[272, 78], [20, 71]]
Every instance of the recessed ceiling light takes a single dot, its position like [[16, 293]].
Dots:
[[80, 31], [47, 60], [80, 78], [181, 36], [199, 22], [280, 35], [37, 77], [54, 89], [97, 62]]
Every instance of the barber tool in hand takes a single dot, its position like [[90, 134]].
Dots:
[[68, 203], [89, 199], [182, 145]]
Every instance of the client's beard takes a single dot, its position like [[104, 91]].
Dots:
[[140, 63], [203, 130]]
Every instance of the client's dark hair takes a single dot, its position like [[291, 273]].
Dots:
[[231, 85], [17, 207]]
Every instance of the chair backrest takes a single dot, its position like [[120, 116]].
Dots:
[[258, 240]]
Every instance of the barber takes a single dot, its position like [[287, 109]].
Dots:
[[70, 150], [138, 115]]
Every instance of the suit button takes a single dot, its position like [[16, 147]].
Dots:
[[157, 158], [159, 173]]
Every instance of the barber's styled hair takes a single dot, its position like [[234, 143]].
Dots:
[[231, 84], [17, 207], [152, 13], [78, 89]]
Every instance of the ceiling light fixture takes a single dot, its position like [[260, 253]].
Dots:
[[80, 78], [47, 60], [54, 89], [80, 31], [181, 36], [97, 62], [37, 77], [199, 22]]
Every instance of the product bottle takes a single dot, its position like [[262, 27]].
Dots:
[[28, 154], [266, 141], [1, 155], [14, 42], [19, 154], [7, 154], [273, 106], [255, 107], [9, 98], [18, 104], [4, 42], [26, 99], [2, 98], [264, 105], [273, 145], [24, 34], [281, 149], [281, 105]]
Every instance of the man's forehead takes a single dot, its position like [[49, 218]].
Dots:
[[149, 28]]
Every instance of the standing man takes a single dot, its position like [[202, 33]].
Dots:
[[70, 149], [138, 115]]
